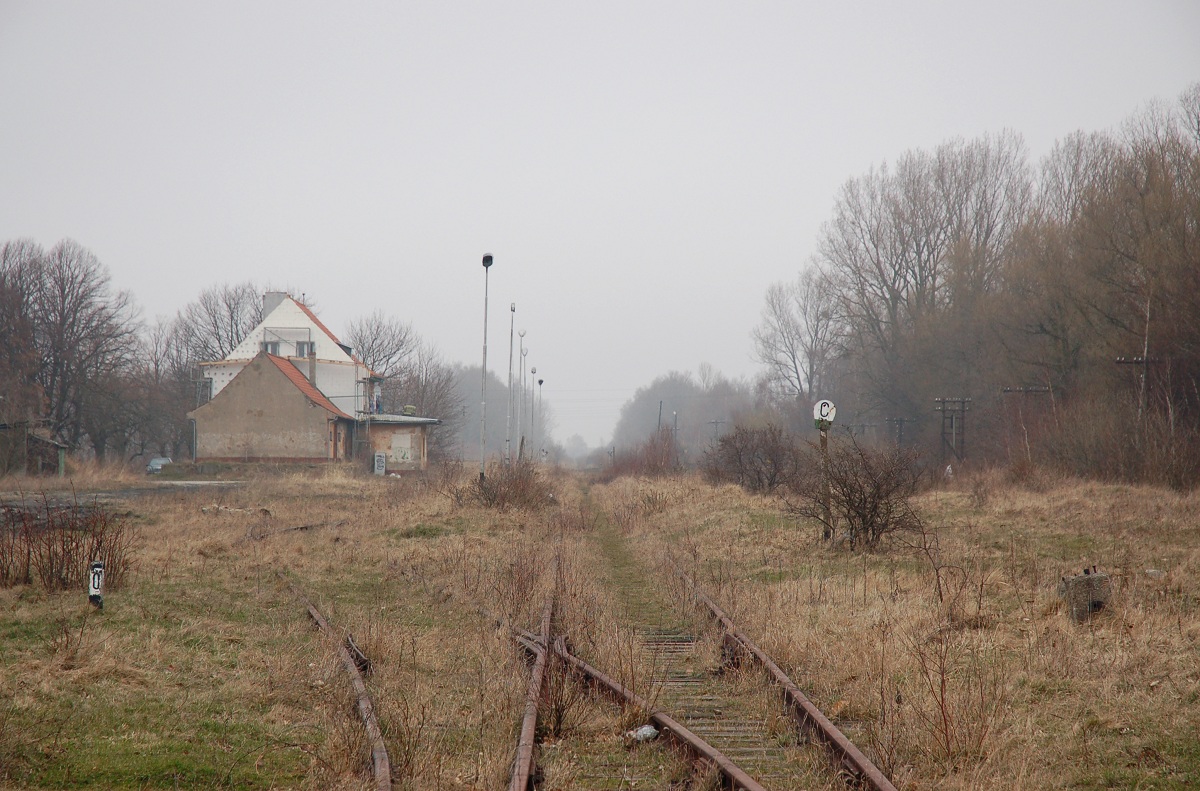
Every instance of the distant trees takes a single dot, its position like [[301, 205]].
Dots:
[[384, 343], [84, 336], [212, 326], [694, 412], [798, 336], [964, 270]]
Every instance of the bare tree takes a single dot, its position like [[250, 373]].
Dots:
[[220, 319], [797, 335], [431, 386], [20, 395], [385, 344], [85, 333]]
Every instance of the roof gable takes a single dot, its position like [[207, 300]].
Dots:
[[304, 386]]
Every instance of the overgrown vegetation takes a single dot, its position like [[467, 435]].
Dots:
[[949, 659], [54, 544], [858, 494], [757, 459]]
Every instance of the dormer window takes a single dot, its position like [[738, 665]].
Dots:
[[270, 347], [306, 349]]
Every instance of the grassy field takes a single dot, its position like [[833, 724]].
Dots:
[[203, 669]]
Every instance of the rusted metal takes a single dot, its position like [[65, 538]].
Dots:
[[380, 763], [522, 775], [733, 775], [807, 714]]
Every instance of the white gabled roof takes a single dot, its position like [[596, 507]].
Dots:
[[291, 314]]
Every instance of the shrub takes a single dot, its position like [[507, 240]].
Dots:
[[757, 459], [868, 492], [516, 485], [54, 544], [655, 457]]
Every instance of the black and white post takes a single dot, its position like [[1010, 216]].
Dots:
[[96, 584]]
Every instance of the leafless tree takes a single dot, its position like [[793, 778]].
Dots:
[[385, 344], [430, 385], [220, 319], [797, 335], [85, 333], [20, 395]]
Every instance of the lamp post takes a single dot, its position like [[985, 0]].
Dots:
[[487, 264], [532, 425], [508, 416], [521, 398], [542, 432]]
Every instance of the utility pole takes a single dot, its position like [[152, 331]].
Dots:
[[716, 424], [1025, 392], [508, 416], [1145, 363], [954, 436]]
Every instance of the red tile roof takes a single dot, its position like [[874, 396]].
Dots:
[[316, 321], [305, 386]]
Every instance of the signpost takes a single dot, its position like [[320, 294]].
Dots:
[[96, 585], [823, 414]]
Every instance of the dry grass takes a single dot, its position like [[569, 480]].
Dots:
[[204, 671], [992, 684]]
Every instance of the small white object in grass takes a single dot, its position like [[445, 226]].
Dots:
[[643, 734]]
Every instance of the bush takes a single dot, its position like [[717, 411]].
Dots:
[[516, 485], [868, 492], [55, 544], [654, 458], [757, 459]]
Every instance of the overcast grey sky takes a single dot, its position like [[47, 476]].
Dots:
[[641, 171]]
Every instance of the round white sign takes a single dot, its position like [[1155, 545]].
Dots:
[[824, 410]]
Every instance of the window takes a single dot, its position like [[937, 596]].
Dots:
[[270, 347], [306, 349]]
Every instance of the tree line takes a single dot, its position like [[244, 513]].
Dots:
[[1063, 299], [80, 364]]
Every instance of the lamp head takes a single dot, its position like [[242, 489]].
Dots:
[[487, 261]]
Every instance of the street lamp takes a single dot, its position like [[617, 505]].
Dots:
[[532, 425], [542, 432], [521, 397], [508, 416], [487, 264]]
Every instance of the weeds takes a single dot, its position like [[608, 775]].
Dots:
[[54, 544], [517, 485]]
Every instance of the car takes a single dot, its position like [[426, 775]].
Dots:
[[156, 465]]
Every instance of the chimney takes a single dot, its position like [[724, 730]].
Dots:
[[312, 369], [272, 300]]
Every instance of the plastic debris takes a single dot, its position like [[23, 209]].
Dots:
[[645, 733]]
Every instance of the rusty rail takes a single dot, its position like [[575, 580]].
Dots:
[[380, 763], [810, 718], [733, 775], [523, 766]]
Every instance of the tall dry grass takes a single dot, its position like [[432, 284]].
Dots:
[[990, 681]]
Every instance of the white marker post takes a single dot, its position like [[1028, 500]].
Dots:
[[96, 585], [823, 414]]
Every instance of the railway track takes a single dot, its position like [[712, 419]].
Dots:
[[355, 663], [697, 709]]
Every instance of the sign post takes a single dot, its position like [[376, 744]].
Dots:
[[96, 585], [823, 414]]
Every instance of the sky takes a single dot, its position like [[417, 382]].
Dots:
[[640, 172]]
